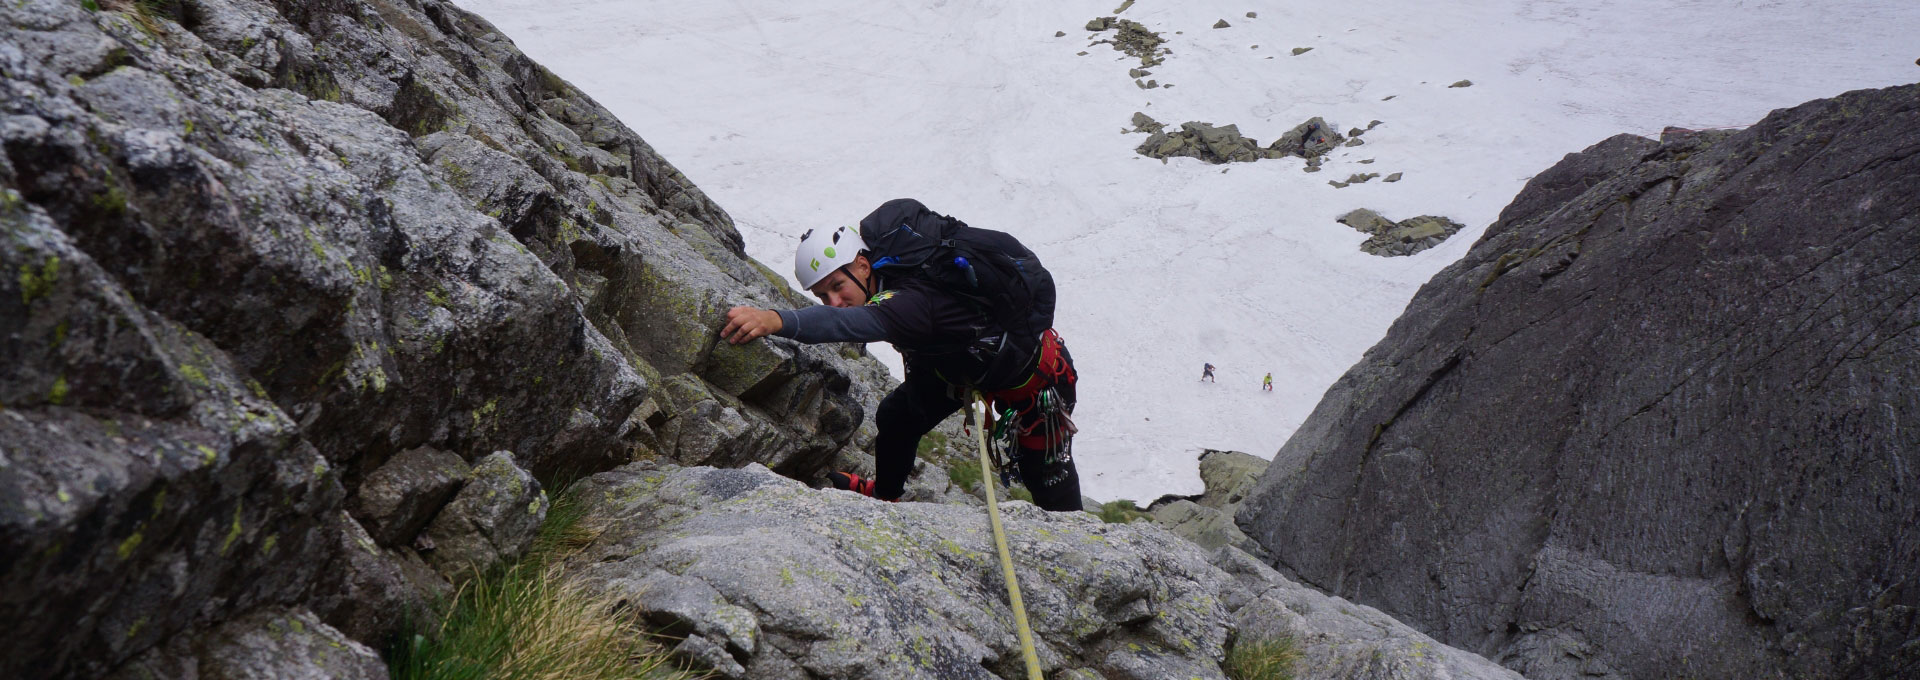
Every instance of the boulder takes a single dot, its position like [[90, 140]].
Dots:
[[266, 644], [777, 580], [492, 520], [1227, 476], [397, 499], [373, 591], [1658, 418], [1209, 528]]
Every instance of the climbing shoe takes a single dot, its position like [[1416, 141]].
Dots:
[[847, 481]]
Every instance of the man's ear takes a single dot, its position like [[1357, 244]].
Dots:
[[859, 267]]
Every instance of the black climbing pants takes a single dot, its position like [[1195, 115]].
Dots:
[[911, 410]]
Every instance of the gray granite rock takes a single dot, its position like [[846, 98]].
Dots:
[[787, 581], [266, 644], [492, 520], [397, 499], [1657, 418], [255, 248]]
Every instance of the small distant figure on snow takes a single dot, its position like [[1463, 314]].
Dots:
[[1206, 373], [1267, 384]]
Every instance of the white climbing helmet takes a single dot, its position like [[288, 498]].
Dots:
[[822, 252]]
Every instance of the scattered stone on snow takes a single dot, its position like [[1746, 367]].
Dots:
[[1297, 51], [1387, 238], [1124, 6], [1059, 34], [1366, 161], [1356, 141], [1462, 83], [1375, 123], [1145, 123], [1253, 15], [1222, 24], [1337, 184], [1395, 177], [1361, 177], [1133, 39], [1308, 140], [1138, 73]]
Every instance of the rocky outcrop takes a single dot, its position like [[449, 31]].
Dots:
[[257, 251], [272, 643], [1659, 421], [767, 578], [1207, 519]]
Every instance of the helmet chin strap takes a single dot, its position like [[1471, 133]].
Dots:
[[871, 274]]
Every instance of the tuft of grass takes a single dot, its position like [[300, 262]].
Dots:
[[1120, 512], [1272, 659], [966, 475], [525, 621]]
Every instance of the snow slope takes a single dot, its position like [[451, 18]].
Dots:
[[794, 115]]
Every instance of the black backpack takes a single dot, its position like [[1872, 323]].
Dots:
[[987, 268]]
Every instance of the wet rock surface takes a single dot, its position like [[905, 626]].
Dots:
[[1658, 418]]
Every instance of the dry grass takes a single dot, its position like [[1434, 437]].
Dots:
[[527, 622], [1262, 659]]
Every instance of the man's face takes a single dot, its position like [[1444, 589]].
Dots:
[[842, 288]]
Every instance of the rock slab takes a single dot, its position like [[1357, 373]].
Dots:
[[1659, 420]]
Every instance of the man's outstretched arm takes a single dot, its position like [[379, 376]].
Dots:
[[810, 325]]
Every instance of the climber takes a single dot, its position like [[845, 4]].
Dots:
[[1206, 373], [951, 342], [1267, 385]]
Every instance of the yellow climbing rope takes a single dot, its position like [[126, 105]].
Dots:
[[1000, 543]]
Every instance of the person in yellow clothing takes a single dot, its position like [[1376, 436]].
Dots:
[[1268, 383]]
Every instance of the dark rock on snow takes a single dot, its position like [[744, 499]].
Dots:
[[1388, 238], [1224, 144], [1659, 421]]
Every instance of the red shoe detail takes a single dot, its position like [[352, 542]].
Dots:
[[847, 481]]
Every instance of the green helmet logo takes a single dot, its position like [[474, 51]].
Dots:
[[829, 252], [816, 264]]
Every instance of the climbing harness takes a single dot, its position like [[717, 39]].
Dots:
[[1033, 426], [1000, 544]]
